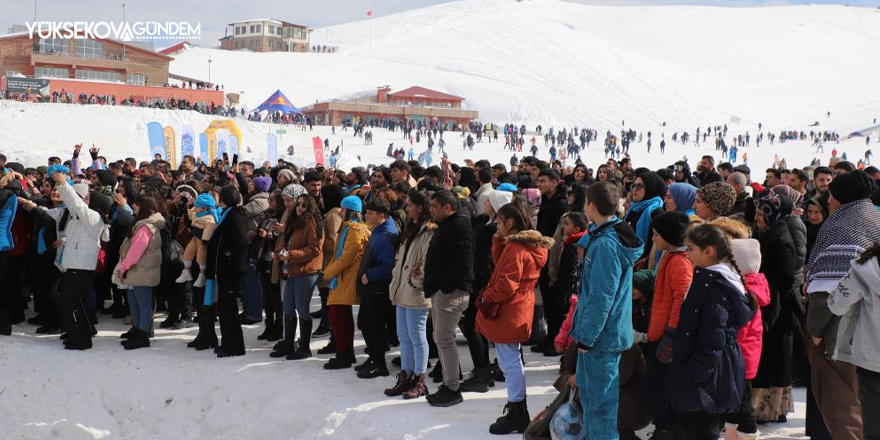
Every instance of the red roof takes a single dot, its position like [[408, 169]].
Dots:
[[175, 48], [421, 92]]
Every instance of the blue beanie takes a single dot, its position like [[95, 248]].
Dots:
[[206, 201], [506, 186], [58, 168], [352, 203]]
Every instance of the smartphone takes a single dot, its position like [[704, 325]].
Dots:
[[225, 158], [234, 159]]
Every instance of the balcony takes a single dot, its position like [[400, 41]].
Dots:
[[76, 61]]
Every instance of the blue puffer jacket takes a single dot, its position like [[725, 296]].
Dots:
[[709, 370], [603, 318], [378, 259]]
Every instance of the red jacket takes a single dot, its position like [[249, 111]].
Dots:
[[518, 262], [750, 337], [671, 284], [563, 338]]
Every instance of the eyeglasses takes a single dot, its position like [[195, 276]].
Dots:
[[638, 186], [302, 205]]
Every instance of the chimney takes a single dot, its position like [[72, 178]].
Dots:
[[382, 94]]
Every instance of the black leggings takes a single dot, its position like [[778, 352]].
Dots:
[[477, 344], [271, 294]]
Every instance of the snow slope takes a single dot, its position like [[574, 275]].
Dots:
[[559, 63]]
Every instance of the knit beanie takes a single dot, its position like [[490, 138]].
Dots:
[[352, 203], [718, 196], [672, 226], [206, 201], [294, 190], [747, 254], [106, 177], [291, 177], [506, 187], [263, 183], [499, 198], [851, 186], [643, 280]]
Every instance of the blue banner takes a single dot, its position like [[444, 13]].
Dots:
[[187, 141], [156, 138], [272, 149], [203, 147]]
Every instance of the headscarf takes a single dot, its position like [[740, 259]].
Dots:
[[654, 185], [784, 190], [683, 194], [718, 196], [774, 207], [655, 190], [844, 236]]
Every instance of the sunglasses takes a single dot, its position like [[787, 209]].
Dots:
[[637, 186], [302, 205]]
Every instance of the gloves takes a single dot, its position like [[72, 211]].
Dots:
[[664, 349]]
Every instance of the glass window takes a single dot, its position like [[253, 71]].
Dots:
[[271, 29], [89, 49], [51, 72], [139, 79], [98, 75], [54, 46], [280, 31], [259, 28], [253, 28], [271, 44]]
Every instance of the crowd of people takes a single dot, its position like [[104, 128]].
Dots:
[[690, 300]]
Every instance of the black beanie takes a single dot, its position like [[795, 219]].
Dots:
[[672, 226], [851, 186]]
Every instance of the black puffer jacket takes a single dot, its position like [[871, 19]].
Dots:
[[449, 264], [226, 249], [551, 211]]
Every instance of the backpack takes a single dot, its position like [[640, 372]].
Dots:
[[172, 252]]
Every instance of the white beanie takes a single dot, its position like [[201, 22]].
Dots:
[[747, 254], [81, 189], [499, 198]]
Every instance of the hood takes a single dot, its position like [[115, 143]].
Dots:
[[741, 312], [756, 283], [619, 231], [868, 273], [730, 275], [387, 226], [537, 244]]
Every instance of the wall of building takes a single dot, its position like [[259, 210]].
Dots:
[[139, 93]]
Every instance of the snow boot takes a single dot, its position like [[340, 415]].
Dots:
[[330, 348], [479, 382], [141, 339], [286, 346], [270, 328], [515, 419], [341, 361], [417, 388], [404, 382], [303, 351], [206, 327]]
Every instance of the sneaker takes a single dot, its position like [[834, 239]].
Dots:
[[200, 281], [179, 325], [376, 369], [168, 323], [185, 276], [364, 365], [445, 397], [48, 330]]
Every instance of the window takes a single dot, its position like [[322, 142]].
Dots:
[[237, 30], [271, 44], [259, 44], [139, 79], [253, 44], [259, 28], [54, 46], [51, 72], [98, 75], [280, 30], [253, 29], [89, 49], [271, 29]]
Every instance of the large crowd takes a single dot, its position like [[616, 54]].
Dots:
[[690, 300]]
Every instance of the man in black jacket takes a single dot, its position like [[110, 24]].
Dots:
[[707, 173], [553, 206], [449, 277]]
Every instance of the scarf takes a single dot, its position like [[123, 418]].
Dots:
[[573, 238], [646, 207], [846, 234], [339, 248], [214, 212]]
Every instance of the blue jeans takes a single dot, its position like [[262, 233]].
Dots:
[[510, 361], [412, 327], [298, 295], [140, 303], [252, 293], [598, 377]]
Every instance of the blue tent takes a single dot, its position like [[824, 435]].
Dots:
[[278, 102]]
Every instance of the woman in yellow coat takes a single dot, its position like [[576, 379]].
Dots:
[[341, 274]]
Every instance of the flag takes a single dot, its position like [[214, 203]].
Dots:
[[370, 13], [187, 141], [170, 146], [318, 146], [156, 139], [203, 147], [272, 148]]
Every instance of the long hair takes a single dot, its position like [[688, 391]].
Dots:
[[518, 211], [709, 235], [414, 225], [579, 191], [312, 213], [147, 206]]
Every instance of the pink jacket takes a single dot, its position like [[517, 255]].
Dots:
[[563, 339], [750, 337]]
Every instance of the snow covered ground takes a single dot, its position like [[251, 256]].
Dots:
[[169, 391]]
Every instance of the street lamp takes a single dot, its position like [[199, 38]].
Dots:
[[209, 70]]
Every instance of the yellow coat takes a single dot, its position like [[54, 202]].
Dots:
[[346, 266]]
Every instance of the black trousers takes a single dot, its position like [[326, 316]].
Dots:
[[74, 319], [228, 291], [10, 293], [555, 306], [869, 395], [179, 297], [271, 293], [477, 344], [700, 425], [374, 310]]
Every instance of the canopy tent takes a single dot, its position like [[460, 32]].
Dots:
[[278, 102]]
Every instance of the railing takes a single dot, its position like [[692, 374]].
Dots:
[[109, 57]]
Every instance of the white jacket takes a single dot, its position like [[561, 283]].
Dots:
[[82, 234], [857, 300]]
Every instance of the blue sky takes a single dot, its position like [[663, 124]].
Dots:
[[214, 15]]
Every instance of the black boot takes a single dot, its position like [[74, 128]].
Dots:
[[139, 340], [270, 328], [330, 348], [129, 334], [285, 347], [515, 419], [206, 327], [303, 351], [5, 324], [341, 361], [200, 335], [322, 330], [479, 382]]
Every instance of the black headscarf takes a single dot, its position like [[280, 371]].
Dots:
[[654, 185]]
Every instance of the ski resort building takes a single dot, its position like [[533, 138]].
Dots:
[[415, 103], [266, 35], [102, 67]]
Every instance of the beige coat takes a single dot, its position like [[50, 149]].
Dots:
[[332, 222], [148, 270], [407, 290]]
